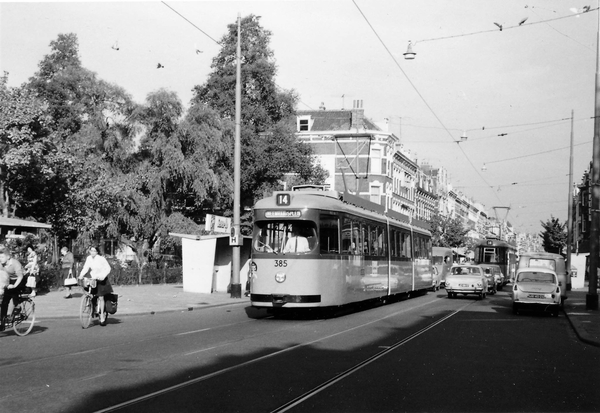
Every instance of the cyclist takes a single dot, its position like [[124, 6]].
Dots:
[[17, 282], [98, 269]]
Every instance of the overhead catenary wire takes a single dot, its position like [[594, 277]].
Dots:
[[503, 28], [423, 98]]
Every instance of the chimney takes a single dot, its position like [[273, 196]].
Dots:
[[358, 113]]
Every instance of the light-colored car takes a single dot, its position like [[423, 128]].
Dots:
[[536, 288], [496, 272], [466, 279], [550, 260]]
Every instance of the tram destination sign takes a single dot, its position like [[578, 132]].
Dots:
[[283, 213]]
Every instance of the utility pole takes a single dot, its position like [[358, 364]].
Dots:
[[591, 298], [236, 237], [570, 205]]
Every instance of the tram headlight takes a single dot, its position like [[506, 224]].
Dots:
[[280, 277]]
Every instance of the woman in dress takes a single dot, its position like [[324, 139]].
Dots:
[[98, 269], [32, 269]]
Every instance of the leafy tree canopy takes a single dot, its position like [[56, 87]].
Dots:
[[448, 232], [554, 236], [269, 147]]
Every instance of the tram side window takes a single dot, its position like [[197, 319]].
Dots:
[[406, 245], [422, 249], [382, 241], [393, 248], [373, 246], [379, 244], [328, 234], [352, 241]]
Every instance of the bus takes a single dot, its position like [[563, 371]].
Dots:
[[316, 248], [499, 252]]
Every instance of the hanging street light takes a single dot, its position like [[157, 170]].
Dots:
[[409, 55]]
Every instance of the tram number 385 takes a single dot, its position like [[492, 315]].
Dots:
[[280, 263]]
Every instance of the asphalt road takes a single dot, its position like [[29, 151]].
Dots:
[[426, 353]]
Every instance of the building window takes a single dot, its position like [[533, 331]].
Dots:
[[375, 194], [304, 123], [376, 161]]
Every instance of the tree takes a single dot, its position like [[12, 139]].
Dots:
[[448, 232], [92, 136], [269, 146], [554, 236], [25, 146]]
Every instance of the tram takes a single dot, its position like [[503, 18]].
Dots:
[[316, 248], [495, 251]]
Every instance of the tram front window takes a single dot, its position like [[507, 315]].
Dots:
[[285, 237]]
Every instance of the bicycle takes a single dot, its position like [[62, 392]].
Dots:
[[89, 303], [22, 317]]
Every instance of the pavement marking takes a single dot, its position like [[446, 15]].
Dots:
[[93, 377], [206, 349], [193, 332]]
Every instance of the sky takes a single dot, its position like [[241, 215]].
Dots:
[[512, 92]]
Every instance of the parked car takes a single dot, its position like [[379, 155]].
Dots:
[[496, 270], [466, 279], [536, 288], [555, 262]]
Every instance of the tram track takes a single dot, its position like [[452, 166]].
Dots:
[[316, 390], [296, 401]]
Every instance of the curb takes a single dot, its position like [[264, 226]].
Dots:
[[144, 313], [581, 337]]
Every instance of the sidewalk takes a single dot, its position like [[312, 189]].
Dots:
[[135, 300], [586, 323]]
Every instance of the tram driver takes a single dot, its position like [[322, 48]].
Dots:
[[297, 242]]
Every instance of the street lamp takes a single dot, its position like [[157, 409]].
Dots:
[[409, 55]]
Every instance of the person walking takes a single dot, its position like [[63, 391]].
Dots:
[[66, 268], [98, 269], [17, 282]]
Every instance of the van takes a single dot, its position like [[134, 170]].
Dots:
[[555, 262], [442, 261]]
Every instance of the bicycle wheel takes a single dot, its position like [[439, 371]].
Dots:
[[23, 321], [85, 311]]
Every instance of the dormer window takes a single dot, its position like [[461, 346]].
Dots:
[[304, 123]]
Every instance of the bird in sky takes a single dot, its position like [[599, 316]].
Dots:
[[586, 9], [523, 21], [159, 66], [198, 51], [499, 25], [115, 46]]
